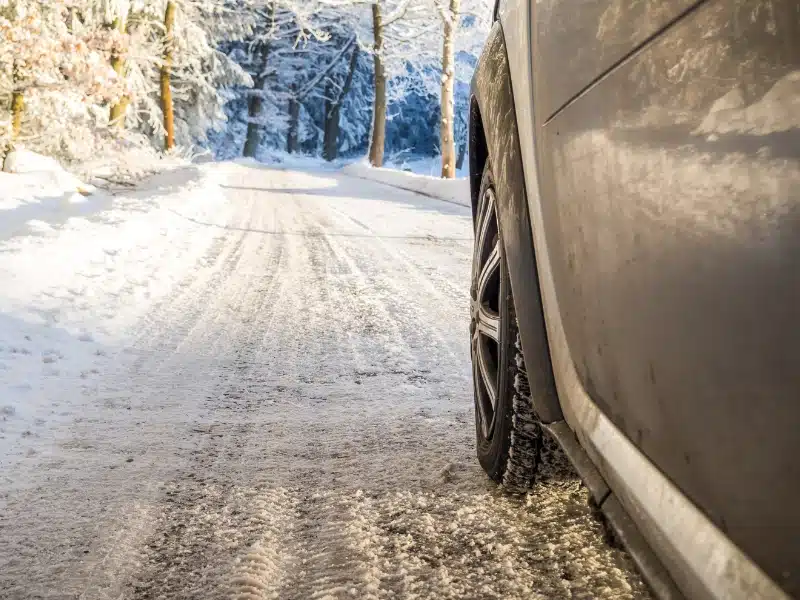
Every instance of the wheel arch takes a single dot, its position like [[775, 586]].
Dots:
[[494, 137], [478, 153]]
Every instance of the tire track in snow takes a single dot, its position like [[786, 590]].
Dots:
[[328, 560], [319, 557], [260, 572], [208, 516], [403, 280], [148, 383]]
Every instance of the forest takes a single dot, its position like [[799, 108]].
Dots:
[[239, 78]]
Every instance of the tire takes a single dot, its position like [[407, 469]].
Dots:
[[508, 431]]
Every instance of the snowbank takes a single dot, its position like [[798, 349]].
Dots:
[[39, 193], [75, 288], [449, 190], [423, 165], [34, 177]]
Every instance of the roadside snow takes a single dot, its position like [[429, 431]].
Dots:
[[77, 272], [450, 190], [285, 160], [34, 173], [423, 165], [38, 189], [414, 174]]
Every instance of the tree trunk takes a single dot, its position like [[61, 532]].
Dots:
[[330, 147], [17, 109], [7, 153], [327, 123], [253, 138], [72, 19], [462, 154], [256, 102], [292, 143], [166, 69], [378, 140], [333, 110], [446, 127], [116, 115], [17, 101], [17, 112]]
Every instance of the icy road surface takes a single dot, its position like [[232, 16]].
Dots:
[[266, 398]]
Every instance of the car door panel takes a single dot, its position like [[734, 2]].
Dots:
[[579, 41], [670, 197]]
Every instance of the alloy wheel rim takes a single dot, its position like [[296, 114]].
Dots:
[[488, 281]]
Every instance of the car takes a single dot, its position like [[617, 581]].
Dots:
[[635, 293]]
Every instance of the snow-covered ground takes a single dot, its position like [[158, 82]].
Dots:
[[449, 190], [424, 165], [79, 268], [248, 382], [414, 174]]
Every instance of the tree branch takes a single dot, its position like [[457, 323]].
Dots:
[[307, 88]]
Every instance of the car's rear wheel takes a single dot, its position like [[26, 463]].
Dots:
[[508, 431]]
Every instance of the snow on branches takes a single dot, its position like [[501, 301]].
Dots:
[[50, 72], [85, 77]]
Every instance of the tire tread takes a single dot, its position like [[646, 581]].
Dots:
[[526, 432]]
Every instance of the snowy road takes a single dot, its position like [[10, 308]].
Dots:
[[272, 401]]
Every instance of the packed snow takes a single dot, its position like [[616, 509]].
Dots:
[[78, 269], [240, 381], [450, 190]]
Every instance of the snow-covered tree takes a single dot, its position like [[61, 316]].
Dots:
[[99, 75], [278, 57], [180, 40], [51, 72], [298, 55], [89, 72]]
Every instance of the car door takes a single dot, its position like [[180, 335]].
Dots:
[[668, 150]]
